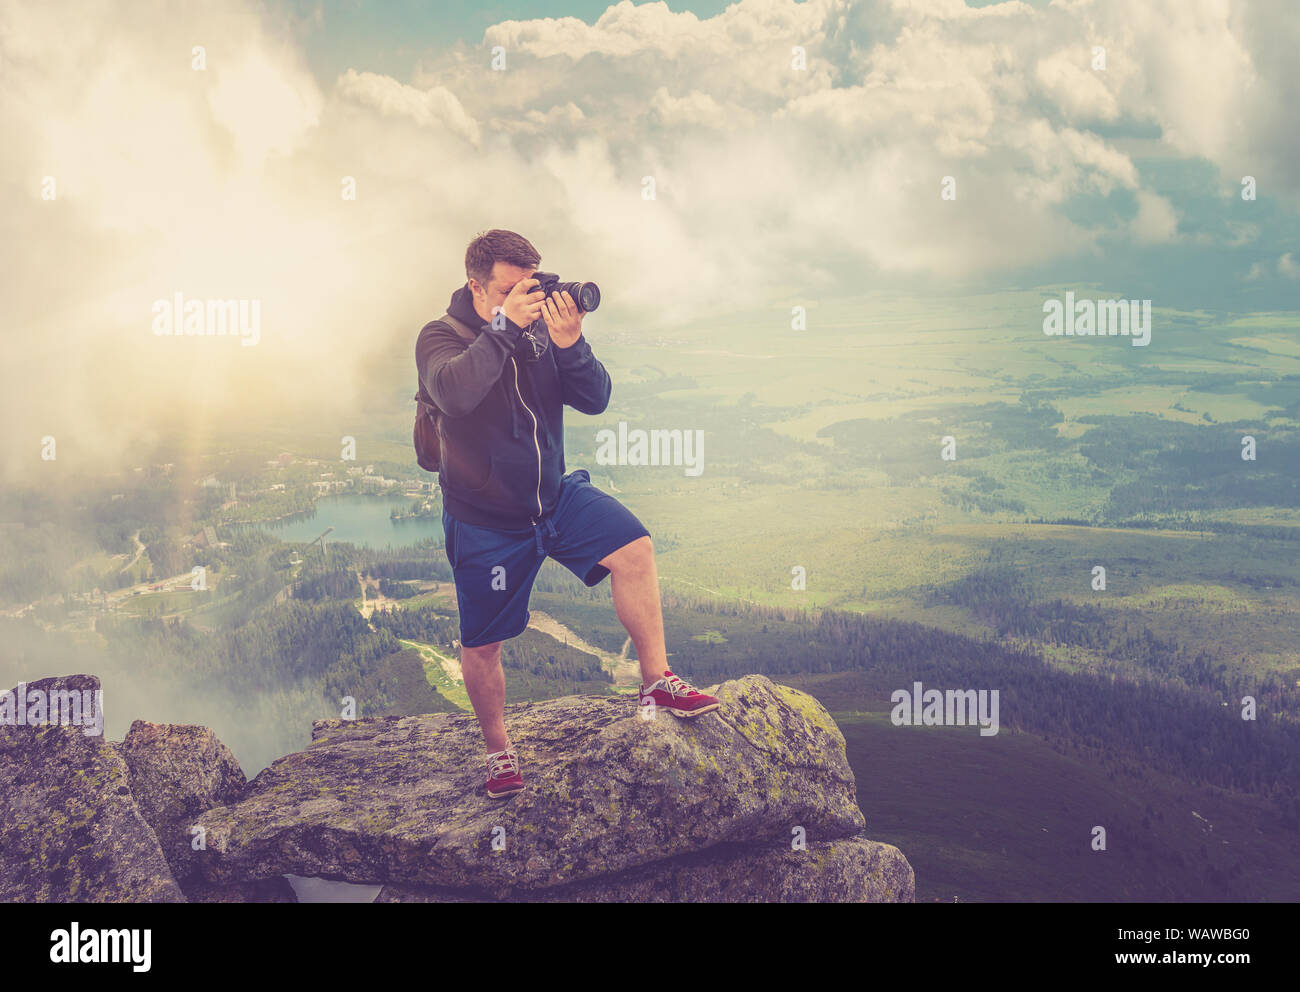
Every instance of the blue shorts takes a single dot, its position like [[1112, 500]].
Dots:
[[494, 569]]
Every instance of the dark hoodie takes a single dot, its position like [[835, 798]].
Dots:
[[502, 424]]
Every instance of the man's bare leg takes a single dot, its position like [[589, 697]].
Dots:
[[486, 684], [635, 585]]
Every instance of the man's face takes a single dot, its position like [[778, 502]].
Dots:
[[503, 279]]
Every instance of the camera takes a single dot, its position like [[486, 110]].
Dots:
[[585, 294]]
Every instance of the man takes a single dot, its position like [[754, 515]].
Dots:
[[507, 503]]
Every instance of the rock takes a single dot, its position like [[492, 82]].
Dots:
[[618, 809], [278, 889], [853, 869], [177, 772], [70, 829], [401, 799]]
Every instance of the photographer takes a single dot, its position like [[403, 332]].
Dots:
[[500, 367]]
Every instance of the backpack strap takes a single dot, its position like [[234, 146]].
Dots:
[[459, 326], [464, 331]]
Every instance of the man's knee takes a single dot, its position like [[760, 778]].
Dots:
[[482, 653], [635, 556]]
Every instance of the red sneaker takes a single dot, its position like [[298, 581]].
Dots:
[[504, 778], [679, 698]]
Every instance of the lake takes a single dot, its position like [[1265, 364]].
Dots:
[[360, 519]]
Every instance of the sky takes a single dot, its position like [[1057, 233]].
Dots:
[[391, 36], [133, 168]]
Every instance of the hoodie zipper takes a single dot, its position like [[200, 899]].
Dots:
[[535, 444]]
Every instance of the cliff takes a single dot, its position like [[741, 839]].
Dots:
[[755, 802]]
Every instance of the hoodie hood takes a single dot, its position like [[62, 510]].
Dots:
[[461, 306]]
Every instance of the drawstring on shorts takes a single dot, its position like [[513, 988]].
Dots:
[[537, 533]]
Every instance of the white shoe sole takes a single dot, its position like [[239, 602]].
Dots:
[[691, 714]]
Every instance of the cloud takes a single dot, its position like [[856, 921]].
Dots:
[[435, 106], [692, 110], [769, 181], [1156, 221], [1286, 267]]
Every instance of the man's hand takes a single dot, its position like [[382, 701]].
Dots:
[[523, 306], [563, 319]]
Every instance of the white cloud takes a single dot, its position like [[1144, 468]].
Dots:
[[1156, 221], [266, 107], [1286, 266], [694, 110], [769, 179], [433, 107], [1078, 91]]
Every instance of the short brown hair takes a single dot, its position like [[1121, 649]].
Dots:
[[498, 246]]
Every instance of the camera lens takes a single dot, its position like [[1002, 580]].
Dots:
[[588, 296]]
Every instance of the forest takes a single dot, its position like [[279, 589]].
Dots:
[[1185, 729]]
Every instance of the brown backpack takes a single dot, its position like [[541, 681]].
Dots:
[[428, 450]]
